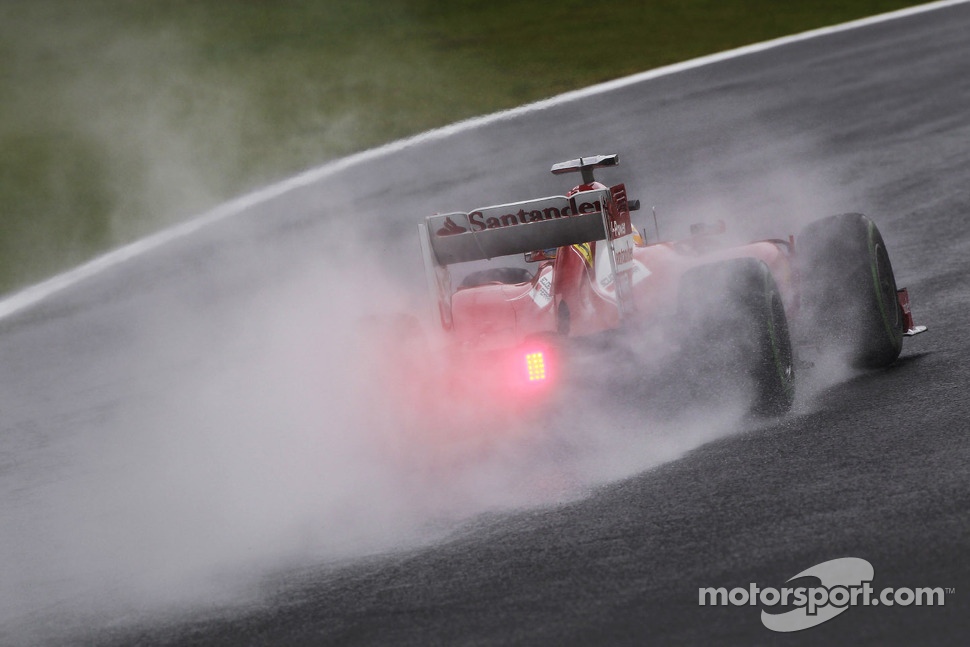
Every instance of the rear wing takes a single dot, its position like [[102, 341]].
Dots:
[[519, 227], [516, 228]]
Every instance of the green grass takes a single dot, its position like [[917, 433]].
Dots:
[[118, 117]]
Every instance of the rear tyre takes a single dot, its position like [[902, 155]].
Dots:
[[737, 330], [848, 289]]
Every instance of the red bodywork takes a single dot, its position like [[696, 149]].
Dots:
[[499, 314]]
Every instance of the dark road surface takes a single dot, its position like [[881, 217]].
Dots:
[[874, 465]]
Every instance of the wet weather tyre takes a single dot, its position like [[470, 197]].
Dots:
[[736, 320], [848, 290]]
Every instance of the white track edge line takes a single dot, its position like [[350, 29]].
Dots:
[[36, 293]]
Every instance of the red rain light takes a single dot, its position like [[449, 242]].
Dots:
[[535, 364]]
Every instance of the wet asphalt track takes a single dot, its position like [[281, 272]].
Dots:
[[877, 467]]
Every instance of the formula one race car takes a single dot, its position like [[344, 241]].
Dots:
[[569, 271]]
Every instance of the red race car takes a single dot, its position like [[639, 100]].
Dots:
[[521, 289]]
